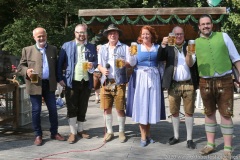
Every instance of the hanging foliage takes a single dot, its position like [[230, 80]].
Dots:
[[143, 18]]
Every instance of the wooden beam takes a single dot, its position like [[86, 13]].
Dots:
[[152, 11]]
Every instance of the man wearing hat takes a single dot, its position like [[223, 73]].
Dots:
[[112, 60]]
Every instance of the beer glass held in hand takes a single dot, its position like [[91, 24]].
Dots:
[[133, 48], [85, 66], [34, 77], [191, 47], [171, 39], [120, 63]]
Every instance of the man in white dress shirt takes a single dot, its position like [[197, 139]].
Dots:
[[181, 82]]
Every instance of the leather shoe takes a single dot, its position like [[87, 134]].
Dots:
[[173, 141], [38, 141], [83, 134], [71, 138], [191, 144], [58, 137]]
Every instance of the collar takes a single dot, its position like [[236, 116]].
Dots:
[[179, 47], [118, 44], [202, 36], [39, 48], [84, 43]]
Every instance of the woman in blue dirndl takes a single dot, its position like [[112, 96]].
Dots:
[[145, 101]]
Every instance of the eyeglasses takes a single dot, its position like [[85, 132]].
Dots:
[[179, 34], [81, 33], [205, 24]]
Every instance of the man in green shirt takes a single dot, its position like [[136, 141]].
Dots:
[[215, 53]]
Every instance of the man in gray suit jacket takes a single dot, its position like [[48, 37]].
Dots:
[[41, 58]]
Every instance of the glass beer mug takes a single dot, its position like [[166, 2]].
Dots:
[[133, 48], [85, 66], [34, 77], [191, 47], [120, 62], [171, 39]]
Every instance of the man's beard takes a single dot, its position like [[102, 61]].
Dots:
[[41, 43]]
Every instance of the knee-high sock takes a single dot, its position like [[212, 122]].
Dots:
[[189, 127], [227, 131], [121, 122], [108, 121], [80, 126], [176, 122], [72, 125]]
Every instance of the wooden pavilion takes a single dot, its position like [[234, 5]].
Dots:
[[130, 20]]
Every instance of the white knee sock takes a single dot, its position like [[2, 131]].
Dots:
[[121, 122], [108, 121], [72, 125], [189, 127], [80, 126], [176, 122]]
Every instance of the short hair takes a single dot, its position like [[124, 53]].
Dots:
[[34, 31], [176, 28], [152, 31], [205, 16], [81, 25]]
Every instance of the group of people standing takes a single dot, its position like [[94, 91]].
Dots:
[[209, 69]]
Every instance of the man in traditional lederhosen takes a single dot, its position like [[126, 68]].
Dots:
[[181, 82], [215, 53], [114, 80]]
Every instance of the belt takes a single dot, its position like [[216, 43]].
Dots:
[[217, 78], [187, 81], [111, 80], [82, 81]]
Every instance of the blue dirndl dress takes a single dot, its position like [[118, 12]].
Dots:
[[145, 99]]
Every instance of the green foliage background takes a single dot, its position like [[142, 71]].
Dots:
[[19, 17]]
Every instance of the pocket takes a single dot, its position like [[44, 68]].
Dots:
[[31, 64]]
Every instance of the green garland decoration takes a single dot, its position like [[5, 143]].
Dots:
[[82, 20], [219, 19], [129, 21], [150, 20], [180, 20], [102, 20], [165, 21], [117, 22], [194, 19]]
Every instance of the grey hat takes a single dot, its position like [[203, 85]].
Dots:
[[111, 27]]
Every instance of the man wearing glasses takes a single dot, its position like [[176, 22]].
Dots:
[[79, 59], [181, 82], [215, 53]]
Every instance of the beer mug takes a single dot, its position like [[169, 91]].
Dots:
[[191, 46], [85, 66], [34, 77], [133, 48], [171, 39], [120, 62]]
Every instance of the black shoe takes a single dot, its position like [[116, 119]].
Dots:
[[191, 144], [173, 141]]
